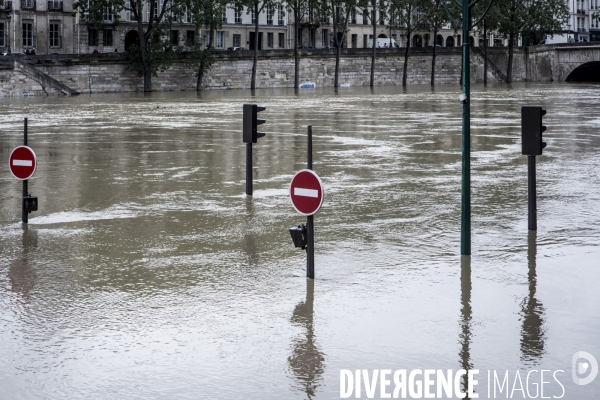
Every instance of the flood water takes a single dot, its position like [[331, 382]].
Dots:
[[148, 273]]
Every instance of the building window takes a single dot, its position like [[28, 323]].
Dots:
[[253, 16], [237, 40], [224, 14], [324, 38], [270, 39], [2, 33], [281, 40], [27, 33], [220, 39], [129, 14], [175, 38], [107, 14], [107, 37], [354, 41], [92, 37], [207, 39], [190, 38], [365, 40], [353, 16], [365, 16], [280, 15], [238, 15], [269, 14]]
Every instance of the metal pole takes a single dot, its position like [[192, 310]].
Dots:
[[249, 169], [532, 201], [310, 228], [25, 189], [465, 237]]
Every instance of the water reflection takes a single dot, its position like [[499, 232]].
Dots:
[[466, 318], [532, 311], [307, 362], [20, 273], [249, 241]]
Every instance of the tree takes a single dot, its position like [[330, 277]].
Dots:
[[490, 22], [534, 17], [301, 9], [255, 7], [434, 18], [204, 13], [410, 15], [372, 16], [153, 50], [340, 11]]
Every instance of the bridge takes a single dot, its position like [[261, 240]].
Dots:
[[572, 62]]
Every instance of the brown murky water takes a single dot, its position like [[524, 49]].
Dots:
[[147, 273]]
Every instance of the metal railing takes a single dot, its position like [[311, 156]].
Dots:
[[581, 11], [5, 5], [27, 4], [55, 5]]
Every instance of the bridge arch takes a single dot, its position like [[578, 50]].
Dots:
[[588, 72]]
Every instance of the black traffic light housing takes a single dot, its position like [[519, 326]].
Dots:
[[299, 236], [532, 129], [251, 121], [30, 203]]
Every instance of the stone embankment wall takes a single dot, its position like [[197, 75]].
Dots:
[[99, 73]]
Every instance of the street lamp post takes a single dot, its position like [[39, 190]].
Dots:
[[466, 26]]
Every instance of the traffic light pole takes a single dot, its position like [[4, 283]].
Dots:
[[25, 215], [310, 228], [532, 201], [249, 169]]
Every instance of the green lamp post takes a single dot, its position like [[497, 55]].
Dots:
[[466, 26]]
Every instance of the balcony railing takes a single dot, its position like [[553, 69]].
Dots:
[[27, 4], [581, 11], [55, 6], [5, 5]]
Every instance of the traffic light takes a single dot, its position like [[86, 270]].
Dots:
[[251, 122], [30, 203], [531, 130], [299, 236]]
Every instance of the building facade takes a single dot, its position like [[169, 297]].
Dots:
[[582, 25], [44, 26], [236, 30]]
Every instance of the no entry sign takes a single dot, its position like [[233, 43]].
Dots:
[[306, 192], [22, 162]]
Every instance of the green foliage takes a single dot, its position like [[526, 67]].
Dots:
[[160, 53], [532, 19]]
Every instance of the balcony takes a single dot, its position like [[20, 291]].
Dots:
[[27, 4], [5, 5], [581, 11], [55, 6]]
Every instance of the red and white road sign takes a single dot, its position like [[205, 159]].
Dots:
[[306, 192], [22, 162]]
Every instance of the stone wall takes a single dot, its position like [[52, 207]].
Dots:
[[98, 73], [16, 82]]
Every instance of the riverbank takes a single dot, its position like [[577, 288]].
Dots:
[[103, 73]]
